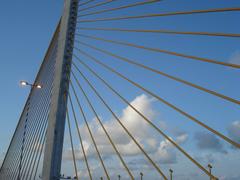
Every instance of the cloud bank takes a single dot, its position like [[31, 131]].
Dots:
[[207, 141], [234, 131], [161, 150], [235, 58]]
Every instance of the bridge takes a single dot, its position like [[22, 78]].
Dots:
[[141, 89]]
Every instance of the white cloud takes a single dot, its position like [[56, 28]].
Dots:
[[234, 131], [161, 150], [165, 153], [235, 58], [206, 141], [182, 138]]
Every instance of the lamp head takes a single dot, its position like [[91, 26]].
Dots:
[[38, 86], [210, 166], [23, 83]]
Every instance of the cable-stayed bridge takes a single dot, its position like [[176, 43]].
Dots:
[[134, 90]]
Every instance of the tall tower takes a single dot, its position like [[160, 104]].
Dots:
[[57, 114]]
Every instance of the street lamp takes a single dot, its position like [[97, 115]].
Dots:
[[119, 177], [25, 83], [141, 174], [37, 86], [210, 170], [171, 174]]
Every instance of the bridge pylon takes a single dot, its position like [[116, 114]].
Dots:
[[57, 114]]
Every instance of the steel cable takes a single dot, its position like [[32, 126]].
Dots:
[[72, 148], [144, 117], [190, 117], [96, 5], [91, 135], [162, 51], [126, 130], [163, 14], [164, 31], [229, 99], [80, 139], [121, 7], [104, 129]]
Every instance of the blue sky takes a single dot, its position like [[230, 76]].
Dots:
[[27, 29]]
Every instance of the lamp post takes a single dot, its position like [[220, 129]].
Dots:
[[141, 175], [119, 177], [210, 170], [171, 174], [37, 86]]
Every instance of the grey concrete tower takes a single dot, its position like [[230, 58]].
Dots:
[[56, 123]]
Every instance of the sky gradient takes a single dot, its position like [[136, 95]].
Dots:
[[25, 34]]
